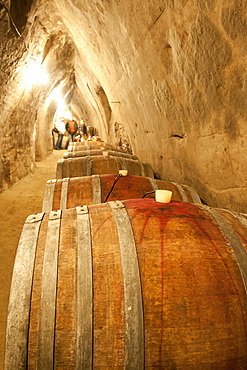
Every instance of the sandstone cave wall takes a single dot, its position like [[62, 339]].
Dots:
[[170, 74], [15, 138], [174, 73]]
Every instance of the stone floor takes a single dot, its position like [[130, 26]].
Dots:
[[22, 199]]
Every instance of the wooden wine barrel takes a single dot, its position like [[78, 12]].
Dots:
[[93, 145], [130, 285], [88, 142], [75, 191], [75, 144], [87, 166], [92, 152]]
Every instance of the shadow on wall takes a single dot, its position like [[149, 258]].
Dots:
[[105, 104], [5, 181], [19, 11], [122, 138]]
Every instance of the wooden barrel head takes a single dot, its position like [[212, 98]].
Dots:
[[130, 284]]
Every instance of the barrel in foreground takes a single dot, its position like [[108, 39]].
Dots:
[[130, 284]]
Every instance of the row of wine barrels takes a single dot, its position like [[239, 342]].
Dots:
[[130, 285], [101, 165], [96, 152], [72, 192]]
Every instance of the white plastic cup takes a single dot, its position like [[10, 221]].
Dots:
[[163, 196]]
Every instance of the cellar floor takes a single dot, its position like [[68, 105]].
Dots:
[[22, 199]]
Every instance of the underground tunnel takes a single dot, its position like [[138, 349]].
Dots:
[[163, 81]]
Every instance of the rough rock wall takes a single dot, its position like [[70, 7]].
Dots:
[[12, 48], [171, 73], [18, 103], [177, 69]]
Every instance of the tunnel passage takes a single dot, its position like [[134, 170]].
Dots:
[[173, 76]]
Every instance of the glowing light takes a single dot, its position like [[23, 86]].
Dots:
[[61, 105], [35, 74], [63, 112], [56, 95]]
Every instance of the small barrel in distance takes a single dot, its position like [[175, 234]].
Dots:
[[96, 152]]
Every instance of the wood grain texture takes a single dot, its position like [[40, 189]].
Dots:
[[96, 152], [94, 189], [20, 295], [99, 165]]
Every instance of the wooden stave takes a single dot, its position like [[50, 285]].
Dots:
[[72, 192], [201, 221]]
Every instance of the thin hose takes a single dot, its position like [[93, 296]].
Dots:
[[114, 183]]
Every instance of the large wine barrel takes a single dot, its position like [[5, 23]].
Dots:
[[75, 191], [130, 285], [77, 146], [87, 166], [95, 152]]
